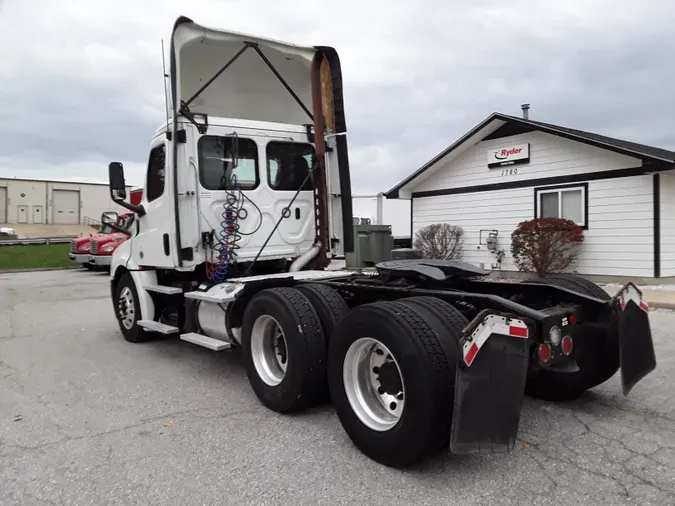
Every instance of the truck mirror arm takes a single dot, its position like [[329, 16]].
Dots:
[[139, 210], [120, 229]]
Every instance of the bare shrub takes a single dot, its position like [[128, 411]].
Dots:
[[441, 241]]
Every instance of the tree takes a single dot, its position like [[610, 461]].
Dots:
[[546, 245], [440, 240]]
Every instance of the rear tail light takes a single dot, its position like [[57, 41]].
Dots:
[[544, 352], [566, 345]]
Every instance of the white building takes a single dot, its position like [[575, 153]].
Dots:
[[382, 211], [510, 169], [53, 202]]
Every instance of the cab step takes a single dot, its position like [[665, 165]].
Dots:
[[166, 290], [154, 326], [205, 341], [215, 298]]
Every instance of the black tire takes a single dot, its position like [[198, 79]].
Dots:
[[134, 334], [453, 322], [452, 318], [415, 337], [598, 353], [305, 347], [580, 284], [88, 266], [331, 309]]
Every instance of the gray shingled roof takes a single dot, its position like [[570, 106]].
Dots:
[[626, 147], [618, 143]]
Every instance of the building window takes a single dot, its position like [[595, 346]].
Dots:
[[566, 202], [156, 171], [289, 164], [216, 159]]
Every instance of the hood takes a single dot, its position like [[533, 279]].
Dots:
[[114, 243], [106, 238], [248, 88], [85, 239]]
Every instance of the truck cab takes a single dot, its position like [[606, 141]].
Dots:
[[81, 247], [102, 246], [242, 184]]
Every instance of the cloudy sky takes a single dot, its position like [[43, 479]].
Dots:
[[81, 84]]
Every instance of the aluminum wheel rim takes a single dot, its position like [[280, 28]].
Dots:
[[373, 400], [126, 308], [268, 350]]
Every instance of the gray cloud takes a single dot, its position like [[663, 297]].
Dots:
[[82, 84]]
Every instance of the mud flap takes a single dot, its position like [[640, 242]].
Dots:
[[490, 385], [636, 348]]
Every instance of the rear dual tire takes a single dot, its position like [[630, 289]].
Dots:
[[391, 373], [284, 349], [400, 415]]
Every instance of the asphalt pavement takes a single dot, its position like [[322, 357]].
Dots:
[[87, 418]]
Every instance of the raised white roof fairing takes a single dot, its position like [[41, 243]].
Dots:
[[248, 89]]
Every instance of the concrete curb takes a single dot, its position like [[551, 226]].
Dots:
[[39, 269], [661, 305]]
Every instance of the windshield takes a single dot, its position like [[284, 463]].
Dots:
[[105, 229], [125, 222]]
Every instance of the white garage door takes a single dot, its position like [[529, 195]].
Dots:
[[3, 204], [66, 207]]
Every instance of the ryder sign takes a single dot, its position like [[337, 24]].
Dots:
[[509, 155]]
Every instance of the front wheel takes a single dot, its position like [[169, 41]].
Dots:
[[128, 310]]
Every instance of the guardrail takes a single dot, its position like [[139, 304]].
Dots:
[[92, 222], [36, 240]]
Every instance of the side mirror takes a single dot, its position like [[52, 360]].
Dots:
[[109, 217], [118, 188]]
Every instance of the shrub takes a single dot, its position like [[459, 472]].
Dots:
[[440, 240], [546, 245]]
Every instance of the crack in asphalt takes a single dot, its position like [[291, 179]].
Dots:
[[141, 423]]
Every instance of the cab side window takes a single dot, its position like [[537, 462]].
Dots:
[[156, 171]]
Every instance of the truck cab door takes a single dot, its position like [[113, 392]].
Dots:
[[154, 244]]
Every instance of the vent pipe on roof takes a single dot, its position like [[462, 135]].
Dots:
[[526, 111]]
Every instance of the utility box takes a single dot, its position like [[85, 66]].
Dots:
[[372, 244]]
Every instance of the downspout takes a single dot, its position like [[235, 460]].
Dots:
[[380, 209]]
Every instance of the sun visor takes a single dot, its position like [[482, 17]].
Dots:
[[248, 88]]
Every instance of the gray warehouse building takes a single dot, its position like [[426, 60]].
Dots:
[[35, 201]]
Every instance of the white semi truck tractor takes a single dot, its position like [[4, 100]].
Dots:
[[246, 199]]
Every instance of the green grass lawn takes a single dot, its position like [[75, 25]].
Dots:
[[35, 257]]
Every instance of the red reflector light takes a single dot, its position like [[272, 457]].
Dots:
[[566, 345], [518, 331], [573, 319], [544, 352]]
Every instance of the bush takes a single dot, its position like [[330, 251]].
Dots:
[[440, 240], [546, 245]]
